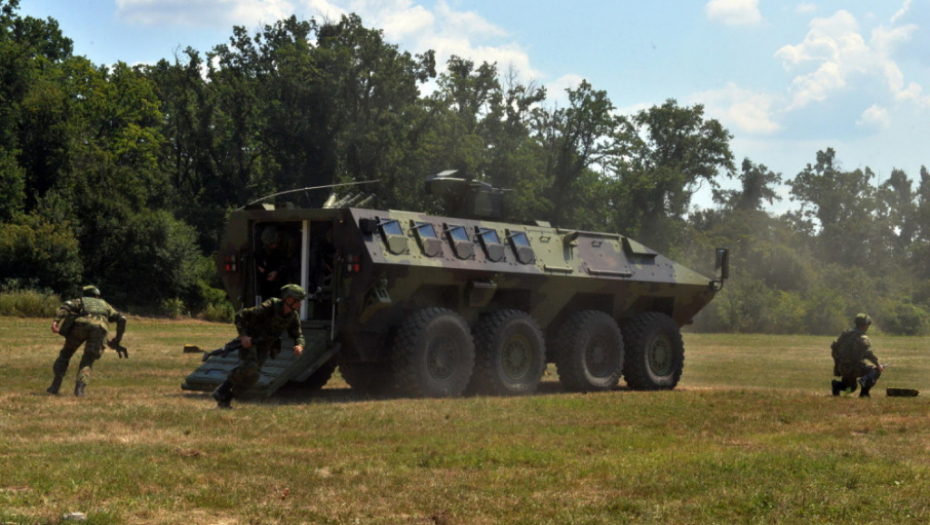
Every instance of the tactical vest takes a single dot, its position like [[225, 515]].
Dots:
[[96, 308]]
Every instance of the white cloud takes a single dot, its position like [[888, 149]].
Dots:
[[875, 117], [841, 57], [202, 13], [745, 110], [805, 9], [412, 25], [443, 29], [326, 11], [734, 12], [901, 12]]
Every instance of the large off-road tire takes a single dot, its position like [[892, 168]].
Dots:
[[510, 354], [368, 378], [589, 352], [433, 354], [655, 352]]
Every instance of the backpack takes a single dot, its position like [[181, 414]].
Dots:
[[841, 348]]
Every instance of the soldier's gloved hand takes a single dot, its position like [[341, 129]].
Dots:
[[121, 351]]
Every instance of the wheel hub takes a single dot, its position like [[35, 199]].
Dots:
[[516, 357], [442, 358], [597, 356], [659, 355]]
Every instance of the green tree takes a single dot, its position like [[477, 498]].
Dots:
[[756, 182], [841, 205], [573, 140], [667, 152], [459, 110], [159, 260], [40, 252], [514, 161], [31, 50], [379, 124]]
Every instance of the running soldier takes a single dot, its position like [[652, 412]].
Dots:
[[84, 321]]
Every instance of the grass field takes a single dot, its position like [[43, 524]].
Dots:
[[751, 435]]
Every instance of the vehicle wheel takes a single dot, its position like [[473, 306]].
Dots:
[[656, 352], [368, 378], [433, 354], [589, 352], [510, 354]]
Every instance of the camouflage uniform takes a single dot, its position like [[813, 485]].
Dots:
[[84, 321], [264, 324], [849, 351]]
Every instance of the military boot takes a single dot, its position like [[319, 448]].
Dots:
[[866, 384], [55, 386], [79, 389], [223, 395]]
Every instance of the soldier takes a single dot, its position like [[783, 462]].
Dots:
[[84, 321], [262, 324], [275, 260], [849, 351]]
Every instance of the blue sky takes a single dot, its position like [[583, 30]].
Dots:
[[786, 78]]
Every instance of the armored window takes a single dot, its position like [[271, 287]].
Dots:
[[461, 244], [491, 243], [429, 242], [393, 236], [520, 244]]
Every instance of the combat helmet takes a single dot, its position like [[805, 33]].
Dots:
[[292, 290], [863, 320], [270, 236]]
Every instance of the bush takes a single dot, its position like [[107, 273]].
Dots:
[[746, 307], [27, 303], [174, 308], [205, 295], [788, 313], [906, 319], [826, 313], [220, 313], [40, 252]]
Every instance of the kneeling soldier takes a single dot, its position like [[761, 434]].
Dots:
[[849, 351]]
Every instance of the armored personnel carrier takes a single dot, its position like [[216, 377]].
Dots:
[[429, 305]]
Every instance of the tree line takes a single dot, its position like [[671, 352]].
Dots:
[[123, 175]]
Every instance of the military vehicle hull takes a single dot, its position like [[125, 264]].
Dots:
[[439, 306]]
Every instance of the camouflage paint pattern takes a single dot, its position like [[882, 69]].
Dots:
[[386, 264]]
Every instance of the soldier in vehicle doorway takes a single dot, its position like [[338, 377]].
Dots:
[[84, 321], [260, 330], [276, 261], [849, 351]]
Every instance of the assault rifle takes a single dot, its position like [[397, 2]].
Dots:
[[233, 346], [121, 350]]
